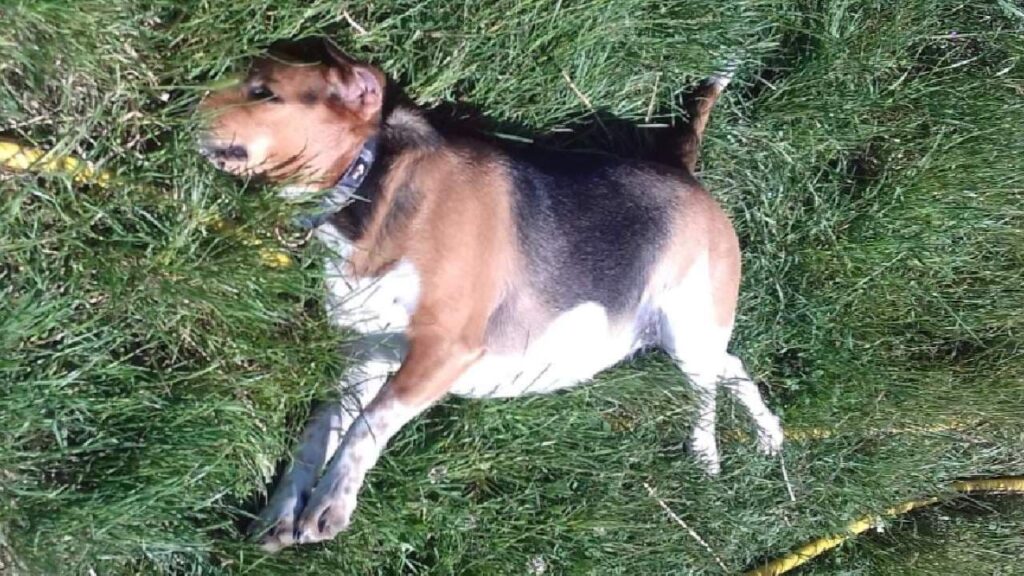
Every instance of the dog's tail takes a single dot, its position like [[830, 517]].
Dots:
[[698, 107]]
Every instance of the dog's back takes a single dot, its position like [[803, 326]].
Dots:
[[590, 227]]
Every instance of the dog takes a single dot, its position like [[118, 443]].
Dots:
[[473, 270]]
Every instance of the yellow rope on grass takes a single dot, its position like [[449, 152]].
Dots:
[[19, 158], [805, 553], [13, 156]]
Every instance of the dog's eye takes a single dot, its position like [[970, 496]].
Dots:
[[261, 92]]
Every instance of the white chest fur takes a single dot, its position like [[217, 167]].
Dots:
[[367, 305]]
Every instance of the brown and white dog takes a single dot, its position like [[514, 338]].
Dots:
[[471, 270]]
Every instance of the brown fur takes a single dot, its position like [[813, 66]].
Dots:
[[702, 226], [462, 241]]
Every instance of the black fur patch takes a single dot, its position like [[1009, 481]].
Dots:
[[591, 226]]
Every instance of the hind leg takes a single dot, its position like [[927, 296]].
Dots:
[[769, 428], [706, 372], [698, 348], [698, 344], [703, 444]]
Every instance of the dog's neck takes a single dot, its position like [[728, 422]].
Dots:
[[386, 196]]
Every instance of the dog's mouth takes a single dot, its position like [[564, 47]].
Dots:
[[248, 160], [226, 156]]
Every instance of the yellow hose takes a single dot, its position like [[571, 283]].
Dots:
[[19, 158], [803, 554], [13, 156]]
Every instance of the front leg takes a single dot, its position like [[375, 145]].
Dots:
[[375, 357], [428, 373]]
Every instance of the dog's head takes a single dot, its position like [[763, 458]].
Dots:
[[301, 114]]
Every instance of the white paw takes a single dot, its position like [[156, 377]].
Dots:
[[276, 524], [704, 447], [769, 435], [328, 511]]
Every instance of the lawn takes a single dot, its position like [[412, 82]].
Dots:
[[153, 373]]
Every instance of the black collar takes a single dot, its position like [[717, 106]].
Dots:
[[344, 192]]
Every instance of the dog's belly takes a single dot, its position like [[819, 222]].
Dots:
[[573, 348]]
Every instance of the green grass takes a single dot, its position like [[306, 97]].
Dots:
[[153, 374]]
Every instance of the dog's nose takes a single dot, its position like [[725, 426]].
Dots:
[[232, 152], [235, 152]]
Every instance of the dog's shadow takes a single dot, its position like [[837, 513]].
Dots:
[[600, 132]]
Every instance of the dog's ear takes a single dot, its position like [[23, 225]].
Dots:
[[358, 87]]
